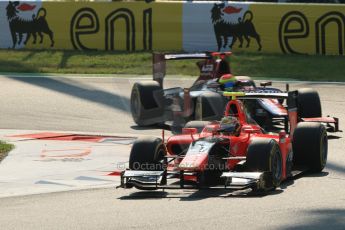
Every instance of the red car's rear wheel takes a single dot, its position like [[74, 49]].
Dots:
[[310, 145]]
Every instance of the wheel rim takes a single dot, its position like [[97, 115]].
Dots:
[[160, 154], [159, 158], [289, 163], [276, 166], [135, 104], [324, 150]]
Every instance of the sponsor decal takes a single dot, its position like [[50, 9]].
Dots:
[[129, 26], [207, 68], [295, 26], [21, 26], [242, 29], [26, 7], [79, 30]]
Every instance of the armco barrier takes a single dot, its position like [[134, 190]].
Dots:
[[189, 26]]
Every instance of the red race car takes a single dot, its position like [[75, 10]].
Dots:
[[235, 152]]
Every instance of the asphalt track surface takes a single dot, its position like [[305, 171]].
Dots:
[[101, 105]]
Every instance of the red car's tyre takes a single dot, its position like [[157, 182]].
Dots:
[[146, 103], [310, 145], [199, 125], [308, 103], [147, 154], [263, 155]]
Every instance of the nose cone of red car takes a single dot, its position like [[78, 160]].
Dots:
[[194, 162]]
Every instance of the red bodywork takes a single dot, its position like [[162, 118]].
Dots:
[[223, 151], [238, 147]]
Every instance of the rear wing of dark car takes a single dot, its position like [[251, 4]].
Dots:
[[159, 61]]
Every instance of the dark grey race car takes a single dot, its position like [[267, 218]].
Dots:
[[204, 100]]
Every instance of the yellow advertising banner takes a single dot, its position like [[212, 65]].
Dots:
[[128, 26], [269, 28], [306, 29], [174, 26]]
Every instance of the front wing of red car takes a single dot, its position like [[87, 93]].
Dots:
[[152, 180]]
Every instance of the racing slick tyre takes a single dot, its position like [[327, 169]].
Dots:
[[199, 125], [263, 155], [308, 103], [147, 154], [146, 103], [209, 106], [310, 145]]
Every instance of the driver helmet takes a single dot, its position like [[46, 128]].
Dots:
[[230, 125], [228, 81]]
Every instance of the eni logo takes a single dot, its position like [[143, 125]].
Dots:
[[79, 28], [289, 31]]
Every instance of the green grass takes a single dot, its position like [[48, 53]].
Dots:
[[257, 65], [4, 149]]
